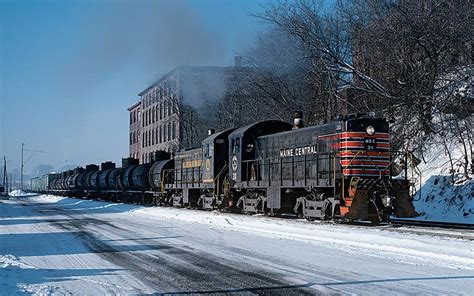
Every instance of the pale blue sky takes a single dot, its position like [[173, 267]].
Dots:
[[70, 69]]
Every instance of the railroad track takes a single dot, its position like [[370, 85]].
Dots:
[[438, 224]]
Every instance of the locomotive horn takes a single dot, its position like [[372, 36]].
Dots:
[[298, 120]]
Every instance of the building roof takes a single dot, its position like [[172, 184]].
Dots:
[[134, 105], [196, 68]]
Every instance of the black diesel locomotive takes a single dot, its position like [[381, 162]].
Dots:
[[338, 170]]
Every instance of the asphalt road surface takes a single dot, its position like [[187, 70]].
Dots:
[[82, 247]]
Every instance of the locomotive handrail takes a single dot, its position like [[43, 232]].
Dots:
[[163, 178], [350, 162], [261, 163], [218, 177]]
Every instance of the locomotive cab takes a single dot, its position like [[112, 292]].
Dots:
[[244, 167], [214, 168], [242, 147]]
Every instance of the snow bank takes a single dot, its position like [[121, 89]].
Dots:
[[19, 192], [439, 199], [443, 201], [47, 198], [10, 260]]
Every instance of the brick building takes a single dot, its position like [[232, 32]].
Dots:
[[135, 130], [163, 121]]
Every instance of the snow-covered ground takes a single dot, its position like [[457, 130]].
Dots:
[[19, 192], [439, 199], [55, 245]]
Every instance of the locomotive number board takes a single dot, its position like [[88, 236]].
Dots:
[[370, 143]]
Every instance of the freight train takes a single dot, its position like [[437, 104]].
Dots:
[[340, 170]]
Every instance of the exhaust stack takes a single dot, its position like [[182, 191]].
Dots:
[[298, 120]]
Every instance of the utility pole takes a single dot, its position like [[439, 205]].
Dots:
[[21, 174], [22, 163], [5, 178]]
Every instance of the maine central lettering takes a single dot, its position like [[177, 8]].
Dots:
[[299, 151]]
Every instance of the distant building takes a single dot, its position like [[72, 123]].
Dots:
[[135, 129], [173, 112]]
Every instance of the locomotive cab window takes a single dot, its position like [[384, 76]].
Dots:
[[249, 148], [208, 151], [236, 146]]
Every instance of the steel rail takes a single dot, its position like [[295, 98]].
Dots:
[[438, 224]]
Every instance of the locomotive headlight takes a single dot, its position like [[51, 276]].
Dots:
[[387, 201], [370, 130]]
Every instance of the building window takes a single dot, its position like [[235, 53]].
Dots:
[[169, 131], [165, 132], [131, 140], [166, 108], [161, 137], [153, 137], [143, 140], [174, 130]]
